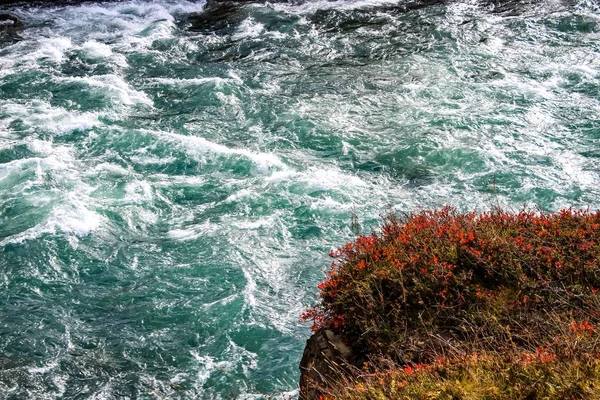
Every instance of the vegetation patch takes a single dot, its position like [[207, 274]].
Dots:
[[477, 376], [470, 302]]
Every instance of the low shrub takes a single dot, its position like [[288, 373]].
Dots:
[[450, 284]]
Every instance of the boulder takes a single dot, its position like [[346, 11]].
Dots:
[[325, 358], [220, 17], [9, 25]]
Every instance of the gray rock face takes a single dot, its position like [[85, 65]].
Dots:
[[9, 25], [220, 17], [325, 358]]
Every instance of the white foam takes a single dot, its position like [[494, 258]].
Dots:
[[309, 7], [183, 234], [219, 82], [114, 87], [230, 100], [159, 29], [269, 88], [50, 158], [112, 168], [76, 219], [193, 232], [331, 204], [253, 225], [72, 213], [249, 28], [151, 160], [242, 194], [235, 77], [572, 165], [28, 54], [178, 180], [40, 115], [43, 370], [53, 48], [249, 290], [289, 395], [317, 178], [240, 356], [44, 147], [96, 49], [198, 146], [138, 192], [207, 367], [538, 118]]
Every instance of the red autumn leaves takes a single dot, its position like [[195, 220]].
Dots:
[[442, 273]]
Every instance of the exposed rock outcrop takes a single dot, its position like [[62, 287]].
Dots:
[[9, 26], [220, 17], [325, 357]]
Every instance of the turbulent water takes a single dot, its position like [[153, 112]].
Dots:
[[170, 187]]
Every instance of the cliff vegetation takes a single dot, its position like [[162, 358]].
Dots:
[[450, 305]]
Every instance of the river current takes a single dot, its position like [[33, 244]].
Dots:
[[170, 189]]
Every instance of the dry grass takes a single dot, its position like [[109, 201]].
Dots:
[[477, 377]]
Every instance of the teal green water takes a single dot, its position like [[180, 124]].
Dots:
[[168, 198]]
